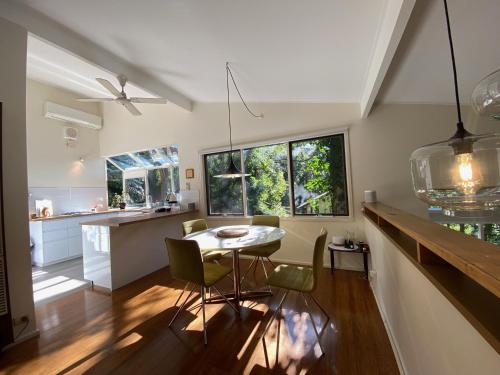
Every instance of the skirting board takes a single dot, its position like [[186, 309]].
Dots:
[[23, 338], [392, 340]]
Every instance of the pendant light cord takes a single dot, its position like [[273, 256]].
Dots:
[[239, 93], [460, 125], [229, 113], [230, 73]]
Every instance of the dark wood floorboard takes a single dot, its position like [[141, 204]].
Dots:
[[127, 333]]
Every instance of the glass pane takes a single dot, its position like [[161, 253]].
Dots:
[[469, 229], [319, 177], [146, 159], [267, 185], [162, 181], [225, 195], [114, 182], [492, 233], [135, 191], [125, 162]]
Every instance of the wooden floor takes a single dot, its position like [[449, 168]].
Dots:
[[127, 333], [57, 280]]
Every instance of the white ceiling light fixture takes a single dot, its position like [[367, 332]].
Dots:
[[462, 173], [121, 97], [232, 170]]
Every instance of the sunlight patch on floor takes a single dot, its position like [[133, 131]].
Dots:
[[56, 286]]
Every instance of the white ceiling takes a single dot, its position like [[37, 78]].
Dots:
[[421, 69], [281, 50], [50, 64]]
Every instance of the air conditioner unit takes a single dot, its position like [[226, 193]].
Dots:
[[62, 113]]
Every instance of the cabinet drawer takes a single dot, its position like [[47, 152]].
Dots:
[[54, 235], [75, 246], [75, 231], [55, 251], [51, 225]]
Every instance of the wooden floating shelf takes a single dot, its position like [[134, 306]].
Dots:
[[465, 269]]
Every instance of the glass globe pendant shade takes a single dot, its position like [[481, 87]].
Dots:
[[461, 175], [486, 96]]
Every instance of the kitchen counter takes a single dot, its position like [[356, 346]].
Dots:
[[134, 219], [87, 213], [121, 249]]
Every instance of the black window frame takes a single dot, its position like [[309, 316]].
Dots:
[[207, 184], [289, 143], [290, 161]]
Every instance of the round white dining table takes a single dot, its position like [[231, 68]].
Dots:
[[258, 235]]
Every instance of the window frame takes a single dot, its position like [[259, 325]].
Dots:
[[291, 184], [207, 185], [287, 140]]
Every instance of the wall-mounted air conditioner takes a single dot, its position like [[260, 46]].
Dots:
[[62, 113]]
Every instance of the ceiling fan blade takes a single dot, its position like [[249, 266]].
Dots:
[[149, 100], [95, 100], [131, 108], [109, 86]]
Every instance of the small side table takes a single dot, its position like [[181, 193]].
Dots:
[[342, 249]]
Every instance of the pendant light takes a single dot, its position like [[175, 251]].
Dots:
[[486, 96], [461, 174], [232, 170]]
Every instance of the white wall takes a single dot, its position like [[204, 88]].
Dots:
[[13, 95], [51, 163], [380, 148], [430, 334]]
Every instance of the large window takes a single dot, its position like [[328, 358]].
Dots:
[[487, 232], [319, 176], [162, 181], [225, 195], [267, 186], [114, 177], [143, 177], [318, 182], [135, 191]]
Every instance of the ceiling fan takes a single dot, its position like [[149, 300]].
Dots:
[[121, 97]]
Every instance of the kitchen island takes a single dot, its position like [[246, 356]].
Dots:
[[119, 250]]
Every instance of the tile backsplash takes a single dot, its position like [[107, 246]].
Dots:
[[68, 199]]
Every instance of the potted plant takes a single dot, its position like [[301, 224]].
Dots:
[[119, 201]]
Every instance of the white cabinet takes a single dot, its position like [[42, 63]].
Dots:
[[57, 240]]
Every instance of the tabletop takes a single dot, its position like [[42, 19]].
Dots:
[[258, 235], [333, 247]]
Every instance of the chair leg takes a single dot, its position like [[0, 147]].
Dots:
[[248, 270], [203, 308], [265, 271], [274, 315], [180, 307], [320, 307], [225, 298], [314, 324], [269, 260], [180, 295]]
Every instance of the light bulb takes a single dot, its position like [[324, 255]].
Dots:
[[468, 174]]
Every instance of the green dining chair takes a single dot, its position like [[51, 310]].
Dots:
[[193, 226], [186, 264], [303, 280], [262, 252]]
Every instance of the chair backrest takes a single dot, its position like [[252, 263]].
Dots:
[[319, 249], [193, 226], [185, 260], [270, 221]]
